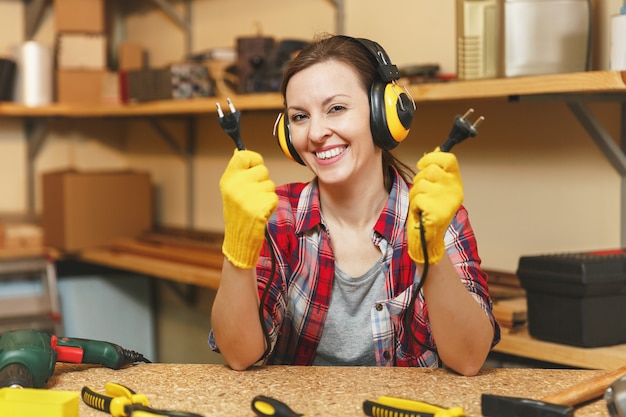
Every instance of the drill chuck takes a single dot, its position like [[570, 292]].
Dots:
[[26, 358]]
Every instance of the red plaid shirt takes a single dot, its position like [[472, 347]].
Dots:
[[303, 270]]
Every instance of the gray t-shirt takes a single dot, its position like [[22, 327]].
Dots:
[[347, 338]]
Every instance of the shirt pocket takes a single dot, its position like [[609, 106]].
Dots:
[[408, 351]]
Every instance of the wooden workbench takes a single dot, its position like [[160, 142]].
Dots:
[[216, 390]]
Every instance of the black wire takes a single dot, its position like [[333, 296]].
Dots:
[[264, 295], [411, 308]]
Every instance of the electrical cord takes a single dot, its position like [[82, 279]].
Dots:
[[461, 130]]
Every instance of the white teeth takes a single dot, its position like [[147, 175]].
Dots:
[[329, 153]]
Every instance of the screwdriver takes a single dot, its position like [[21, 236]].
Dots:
[[400, 407], [270, 407]]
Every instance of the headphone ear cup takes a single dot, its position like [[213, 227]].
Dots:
[[283, 136], [391, 114]]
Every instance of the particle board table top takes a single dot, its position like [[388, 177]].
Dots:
[[216, 390]]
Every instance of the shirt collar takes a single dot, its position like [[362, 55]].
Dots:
[[389, 225]]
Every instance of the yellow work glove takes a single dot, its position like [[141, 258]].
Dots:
[[249, 199], [437, 193]]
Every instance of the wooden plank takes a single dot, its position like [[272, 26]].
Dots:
[[501, 292], [511, 312], [570, 83], [208, 258], [184, 238], [523, 345], [175, 271], [26, 252], [503, 278]]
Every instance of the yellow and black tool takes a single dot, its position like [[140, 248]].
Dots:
[[400, 407], [270, 407], [121, 401]]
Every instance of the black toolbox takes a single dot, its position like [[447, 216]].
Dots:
[[576, 298]]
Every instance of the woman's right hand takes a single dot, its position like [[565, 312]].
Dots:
[[249, 199]]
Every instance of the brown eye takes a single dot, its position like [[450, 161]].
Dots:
[[297, 117]]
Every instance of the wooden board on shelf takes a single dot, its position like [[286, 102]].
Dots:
[[511, 313], [186, 258], [569, 83], [605, 82], [523, 345], [174, 271]]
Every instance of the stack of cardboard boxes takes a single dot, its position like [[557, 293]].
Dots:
[[81, 52], [91, 208]]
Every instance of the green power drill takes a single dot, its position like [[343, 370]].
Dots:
[[28, 357]]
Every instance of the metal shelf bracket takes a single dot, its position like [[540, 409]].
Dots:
[[183, 22], [33, 15], [187, 154]]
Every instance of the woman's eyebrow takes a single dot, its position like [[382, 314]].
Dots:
[[324, 103]]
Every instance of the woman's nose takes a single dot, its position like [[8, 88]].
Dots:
[[319, 129]]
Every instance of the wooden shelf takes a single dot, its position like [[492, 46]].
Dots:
[[154, 108], [605, 82]]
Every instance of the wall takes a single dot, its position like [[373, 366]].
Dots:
[[535, 182]]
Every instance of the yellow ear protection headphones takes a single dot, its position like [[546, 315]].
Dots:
[[391, 106]]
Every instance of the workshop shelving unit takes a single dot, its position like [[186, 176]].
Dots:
[[38, 309], [36, 125]]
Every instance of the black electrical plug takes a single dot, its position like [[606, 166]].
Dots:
[[231, 123], [461, 130]]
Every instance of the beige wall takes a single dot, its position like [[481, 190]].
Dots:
[[535, 182]]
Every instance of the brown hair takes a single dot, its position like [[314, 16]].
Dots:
[[348, 51]]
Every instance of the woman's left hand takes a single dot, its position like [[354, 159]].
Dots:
[[437, 194]]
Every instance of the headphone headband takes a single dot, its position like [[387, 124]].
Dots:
[[386, 70], [391, 106]]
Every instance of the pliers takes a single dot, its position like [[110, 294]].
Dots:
[[121, 401]]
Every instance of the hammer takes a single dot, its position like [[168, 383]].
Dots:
[[560, 404]]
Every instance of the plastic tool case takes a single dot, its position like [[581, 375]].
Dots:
[[576, 298]]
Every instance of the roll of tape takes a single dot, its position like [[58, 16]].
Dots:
[[34, 74], [618, 43]]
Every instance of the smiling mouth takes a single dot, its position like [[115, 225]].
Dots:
[[331, 153]]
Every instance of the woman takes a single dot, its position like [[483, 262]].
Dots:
[[335, 266]]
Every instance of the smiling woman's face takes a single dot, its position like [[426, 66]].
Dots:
[[329, 118]]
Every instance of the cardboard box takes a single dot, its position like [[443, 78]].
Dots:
[[81, 86], [132, 56], [576, 298], [179, 81], [79, 16], [81, 51], [89, 209]]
